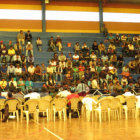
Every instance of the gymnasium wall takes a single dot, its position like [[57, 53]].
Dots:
[[35, 25], [16, 25], [123, 27]]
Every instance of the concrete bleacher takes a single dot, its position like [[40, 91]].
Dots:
[[44, 56]]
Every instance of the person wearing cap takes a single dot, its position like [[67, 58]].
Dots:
[[3, 84], [28, 36], [18, 47], [21, 37], [101, 48], [58, 43], [29, 48], [11, 53], [51, 44]]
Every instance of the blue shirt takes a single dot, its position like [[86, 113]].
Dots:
[[2, 97]]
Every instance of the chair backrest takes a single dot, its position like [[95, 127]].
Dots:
[[32, 105], [74, 103], [12, 105], [121, 98], [2, 104], [49, 98], [21, 100], [131, 102], [115, 104], [104, 104], [59, 103], [43, 105]]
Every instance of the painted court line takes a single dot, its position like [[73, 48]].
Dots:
[[53, 133]]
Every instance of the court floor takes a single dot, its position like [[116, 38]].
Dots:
[[74, 129]]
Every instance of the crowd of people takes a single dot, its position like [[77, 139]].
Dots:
[[96, 66]]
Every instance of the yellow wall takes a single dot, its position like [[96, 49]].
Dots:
[[68, 26]]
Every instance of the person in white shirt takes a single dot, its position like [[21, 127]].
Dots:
[[31, 71], [18, 71], [64, 93], [93, 56], [39, 44], [49, 72], [128, 92], [95, 84], [32, 95], [11, 71], [16, 59], [29, 47]]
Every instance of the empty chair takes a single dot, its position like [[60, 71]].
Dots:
[[130, 106], [59, 105], [30, 107], [103, 109], [74, 105], [44, 107], [49, 98], [115, 108]]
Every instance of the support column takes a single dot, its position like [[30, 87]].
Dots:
[[100, 15], [43, 16]]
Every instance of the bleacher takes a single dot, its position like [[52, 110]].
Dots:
[[44, 56]]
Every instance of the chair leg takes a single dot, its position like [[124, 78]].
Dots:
[[47, 114], [17, 115]]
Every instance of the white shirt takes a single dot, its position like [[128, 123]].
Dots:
[[88, 103], [128, 94], [31, 69], [76, 57], [33, 95], [64, 93], [18, 70]]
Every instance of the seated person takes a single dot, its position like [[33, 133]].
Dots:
[[77, 47], [21, 37], [21, 84], [58, 43], [18, 48], [95, 47], [51, 44], [37, 73], [29, 84], [62, 57], [11, 53], [39, 44], [85, 48], [4, 54], [12, 84], [28, 36], [3, 85], [51, 84], [29, 48]]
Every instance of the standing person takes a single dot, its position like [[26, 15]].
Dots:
[[29, 47], [28, 36], [104, 30], [39, 44], [21, 37], [59, 43], [81, 88]]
